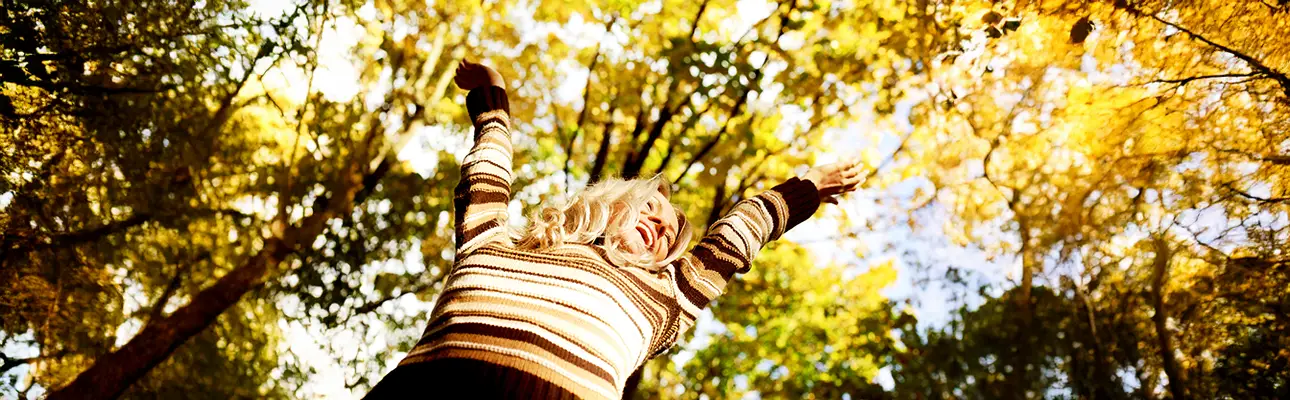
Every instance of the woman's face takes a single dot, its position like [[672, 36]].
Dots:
[[656, 227]]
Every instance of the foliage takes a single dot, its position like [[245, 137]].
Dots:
[[267, 177], [790, 329], [1130, 153]]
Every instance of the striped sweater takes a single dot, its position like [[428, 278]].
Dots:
[[566, 315]]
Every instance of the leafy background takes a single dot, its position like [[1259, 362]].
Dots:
[[1066, 199]]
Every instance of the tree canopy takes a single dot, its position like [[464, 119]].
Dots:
[[1065, 199]]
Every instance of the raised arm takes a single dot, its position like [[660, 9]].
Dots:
[[481, 197], [733, 241]]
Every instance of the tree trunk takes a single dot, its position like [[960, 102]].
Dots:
[[113, 373], [602, 153], [1160, 275], [578, 127], [1017, 380], [1097, 380], [1027, 267], [636, 161]]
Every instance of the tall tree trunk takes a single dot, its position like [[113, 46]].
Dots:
[[636, 160], [578, 127], [673, 145], [1164, 340], [735, 111], [113, 373], [1018, 380], [602, 153], [1098, 379]]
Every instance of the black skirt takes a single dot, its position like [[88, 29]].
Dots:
[[457, 378]]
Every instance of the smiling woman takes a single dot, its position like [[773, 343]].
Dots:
[[572, 305], [632, 220]]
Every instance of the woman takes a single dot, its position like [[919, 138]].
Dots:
[[571, 306]]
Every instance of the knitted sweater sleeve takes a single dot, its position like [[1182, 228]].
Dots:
[[733, 241], [481, 196]]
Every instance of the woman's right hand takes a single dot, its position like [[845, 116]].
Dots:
[[833, 180], [471, 75]]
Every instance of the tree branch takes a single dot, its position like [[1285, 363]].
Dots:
[[586, 106], [685, 127], [7, 363], [1248, 196], [899, 148], [79, 89], [159, 305], [636, 159], [602, 153], [94, 234], [1184, 81], [735, 111], [1254, 64]]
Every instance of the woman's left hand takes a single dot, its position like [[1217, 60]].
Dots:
[[833, 180]]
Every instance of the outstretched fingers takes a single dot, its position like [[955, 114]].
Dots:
[[836, 179], [852, 175]]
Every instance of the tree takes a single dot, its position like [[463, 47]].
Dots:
[[133, 170], [790, 329], [1076, 128], [187, 191]]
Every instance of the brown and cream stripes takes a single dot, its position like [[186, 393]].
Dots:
[[565, 321]]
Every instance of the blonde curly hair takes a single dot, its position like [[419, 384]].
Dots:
[[599, 216]]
